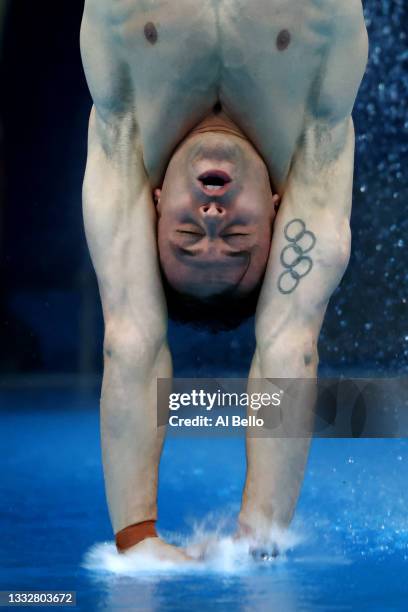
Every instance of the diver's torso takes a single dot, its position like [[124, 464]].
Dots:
[[260, 59]]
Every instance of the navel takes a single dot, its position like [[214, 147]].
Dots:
[[150, 32], [283, 40]]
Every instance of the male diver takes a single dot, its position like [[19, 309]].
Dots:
[[219, 174]]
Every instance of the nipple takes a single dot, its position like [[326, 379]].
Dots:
[[283, 40], [150, 33]]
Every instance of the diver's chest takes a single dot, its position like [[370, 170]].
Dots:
[[202, 43]]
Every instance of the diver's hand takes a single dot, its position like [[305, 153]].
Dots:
[[160, 550]]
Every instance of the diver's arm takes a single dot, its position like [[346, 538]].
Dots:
[[309, 254], [120, 224], [319, 188], [311, 238], [120, 227], [318, 197]]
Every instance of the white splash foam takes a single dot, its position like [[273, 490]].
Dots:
[[213, 553], [104, 558]]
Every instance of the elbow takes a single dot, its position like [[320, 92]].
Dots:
[[291, 354], [126, 343]]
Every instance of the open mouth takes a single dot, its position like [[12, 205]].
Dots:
[[214, 182]]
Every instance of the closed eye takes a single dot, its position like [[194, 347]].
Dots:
[[190, 233], [233, 235]]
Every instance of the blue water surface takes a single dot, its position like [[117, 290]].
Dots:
[[351, 525]]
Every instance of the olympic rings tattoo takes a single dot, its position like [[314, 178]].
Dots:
[[293, 256]]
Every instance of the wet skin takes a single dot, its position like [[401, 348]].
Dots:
[[215, 214], [287, 73]]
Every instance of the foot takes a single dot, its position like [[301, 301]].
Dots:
[[160, 550]]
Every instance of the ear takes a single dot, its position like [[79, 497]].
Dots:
[[276, 200], [156, 196]]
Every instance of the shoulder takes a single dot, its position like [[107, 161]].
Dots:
[[106, 71], [349, 32], [344, 63]]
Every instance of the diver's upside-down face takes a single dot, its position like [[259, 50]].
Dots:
[[215, 215]]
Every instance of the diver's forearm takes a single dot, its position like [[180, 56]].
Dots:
[[131, 441], [275, 465]]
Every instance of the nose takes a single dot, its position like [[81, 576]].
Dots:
[[212, 211], [212, 215]]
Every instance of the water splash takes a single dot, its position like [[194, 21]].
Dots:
[[211, 551]]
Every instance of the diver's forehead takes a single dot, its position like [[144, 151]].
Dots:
[[205, 259]]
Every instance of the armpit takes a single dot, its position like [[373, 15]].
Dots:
[[324, 150]]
